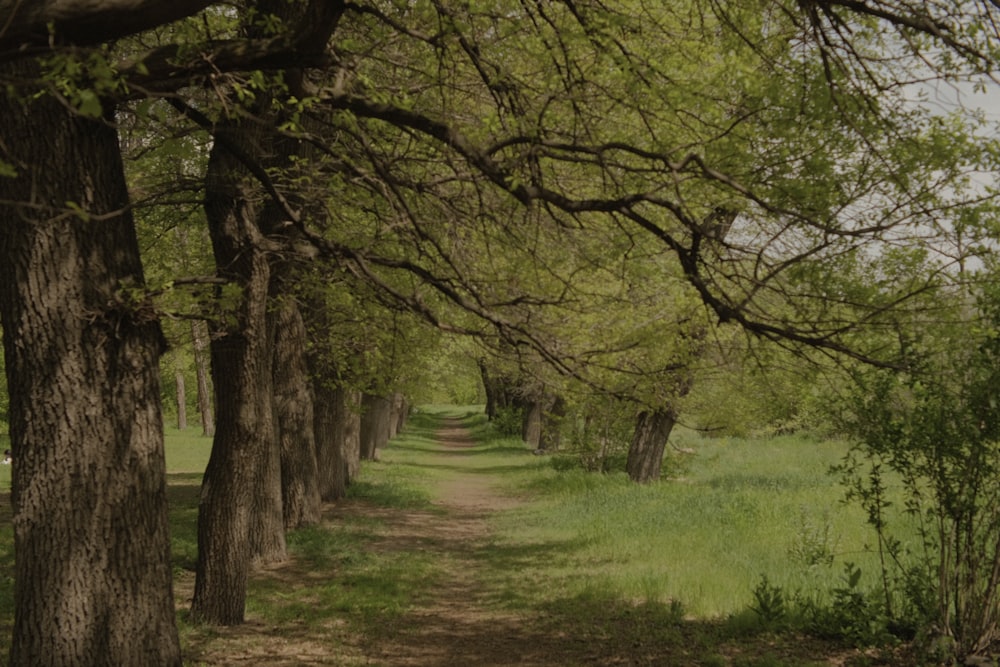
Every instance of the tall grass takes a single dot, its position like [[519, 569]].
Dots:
[[734, 511]]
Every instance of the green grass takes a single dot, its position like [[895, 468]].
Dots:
[[738, 510], [186, 451], [615, 557]]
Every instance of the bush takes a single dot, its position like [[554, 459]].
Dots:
[[935, 432], [507, 422]]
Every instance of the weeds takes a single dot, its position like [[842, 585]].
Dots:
[[769, 604]]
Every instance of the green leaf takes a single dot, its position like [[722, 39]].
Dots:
[[89, 104]]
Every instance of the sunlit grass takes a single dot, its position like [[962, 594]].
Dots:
[[735, 511], [595, 548]]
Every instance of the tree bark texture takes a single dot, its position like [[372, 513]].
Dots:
[[199, 338], [375, 415], [92, 548], [293, 406], [331, 459], [645, 454], [244, 446], [71, 21]]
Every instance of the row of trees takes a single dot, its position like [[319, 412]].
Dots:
[[597, 194]]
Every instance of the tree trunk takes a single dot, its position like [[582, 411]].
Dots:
[[531, 424], [92, 566], [338, 439], [350, 431], [182, 418], [267, 524], [241, 371], [645, 454], [293, 405], [199, 337], [501, 390], [552, 418], [331, 460], [402, 412], [374, 425]]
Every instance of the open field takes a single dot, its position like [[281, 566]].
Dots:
[[658, 574]]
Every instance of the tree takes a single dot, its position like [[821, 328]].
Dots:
[[81, 345], [467, 149]]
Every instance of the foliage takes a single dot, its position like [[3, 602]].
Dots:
[[769, 603], [937, 429], [852, 615], [507, 422]]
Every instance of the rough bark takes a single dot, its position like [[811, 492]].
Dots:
[[293, 406], [331, 461], [649, 440], [267, 524], [40, 23], [375, 415], [338, 439], [199, 337], [240, 516], [241, 373], [92, 565]]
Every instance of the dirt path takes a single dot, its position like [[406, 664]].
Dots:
[[457, 620], [455, 623]]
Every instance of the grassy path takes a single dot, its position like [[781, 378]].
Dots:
[[432, 563], [454, 622]]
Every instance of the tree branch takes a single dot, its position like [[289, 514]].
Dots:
[[33, 25]]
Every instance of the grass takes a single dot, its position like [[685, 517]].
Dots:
[[736, 511], [597, 551]]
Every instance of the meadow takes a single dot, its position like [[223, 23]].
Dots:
[[731, 514]]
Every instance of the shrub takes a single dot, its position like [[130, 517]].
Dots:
[[508, 421], [936, 430]]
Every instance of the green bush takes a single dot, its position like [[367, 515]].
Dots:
[[507, 421]]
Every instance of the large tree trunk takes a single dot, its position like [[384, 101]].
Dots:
[[92, 549], [649, 440], [241, 372], [338, 439], [293, 405], [331, 460]]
